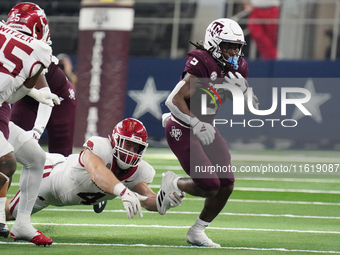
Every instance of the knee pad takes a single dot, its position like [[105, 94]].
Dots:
[[31, 155]]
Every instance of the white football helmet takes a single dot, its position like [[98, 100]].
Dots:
[[223, 30]]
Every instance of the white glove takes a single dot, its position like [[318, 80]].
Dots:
[[44, 97], [131, 200], [165, 118], [204, 131], [36, 133], [238, 80]]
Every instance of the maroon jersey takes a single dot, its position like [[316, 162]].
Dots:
[[61, 124], [201, 64]]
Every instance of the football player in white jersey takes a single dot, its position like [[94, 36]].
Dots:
[[105, 169], [22, 60]]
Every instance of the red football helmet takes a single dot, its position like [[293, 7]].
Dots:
[[128, 130], [29, 18]]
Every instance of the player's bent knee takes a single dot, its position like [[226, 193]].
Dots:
[[209, 187], [226, 191], [28, 159]]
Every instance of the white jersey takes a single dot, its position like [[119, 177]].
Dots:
[[20, 58], [67, 182]]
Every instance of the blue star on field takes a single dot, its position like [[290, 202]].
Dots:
[[148, 99], [313, 105]]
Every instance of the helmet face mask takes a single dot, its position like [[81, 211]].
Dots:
[[224, 31], [129, 142], [30, 19]]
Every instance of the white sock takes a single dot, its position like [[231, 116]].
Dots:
[[23, 222], [200, 225], [31, 173], [2, 210]]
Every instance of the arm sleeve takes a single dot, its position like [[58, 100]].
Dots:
[[43, 114]]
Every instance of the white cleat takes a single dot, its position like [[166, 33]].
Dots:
[[199, 238], [168, 195]]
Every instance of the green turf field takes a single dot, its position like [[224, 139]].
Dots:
[[268, 213]]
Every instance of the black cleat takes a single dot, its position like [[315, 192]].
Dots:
[[99, 207], [4, 231]]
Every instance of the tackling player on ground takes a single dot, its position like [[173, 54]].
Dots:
[[107, 168], [190, 134]]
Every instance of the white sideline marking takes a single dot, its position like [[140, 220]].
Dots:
[[195, 213], [182, 227], [277, 202], [178, 246]]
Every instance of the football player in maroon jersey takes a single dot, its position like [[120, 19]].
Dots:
[[191, 135]]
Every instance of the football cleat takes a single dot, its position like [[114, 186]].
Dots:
[[169, 195], [99, 207], [199, 238], [4, 231], [39, 239]]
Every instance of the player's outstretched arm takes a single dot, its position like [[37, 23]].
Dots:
[[144, 189], [108, 182]]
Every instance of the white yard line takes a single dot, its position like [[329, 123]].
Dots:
[[195, 213], [179, 246], [183, 227]]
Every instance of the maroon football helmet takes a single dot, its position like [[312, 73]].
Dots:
[[128, 130], [29, 18]]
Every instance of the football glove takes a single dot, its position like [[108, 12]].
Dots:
[[204, 131], [44, 97], [36, 133], [238, 80], [131, 200]]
